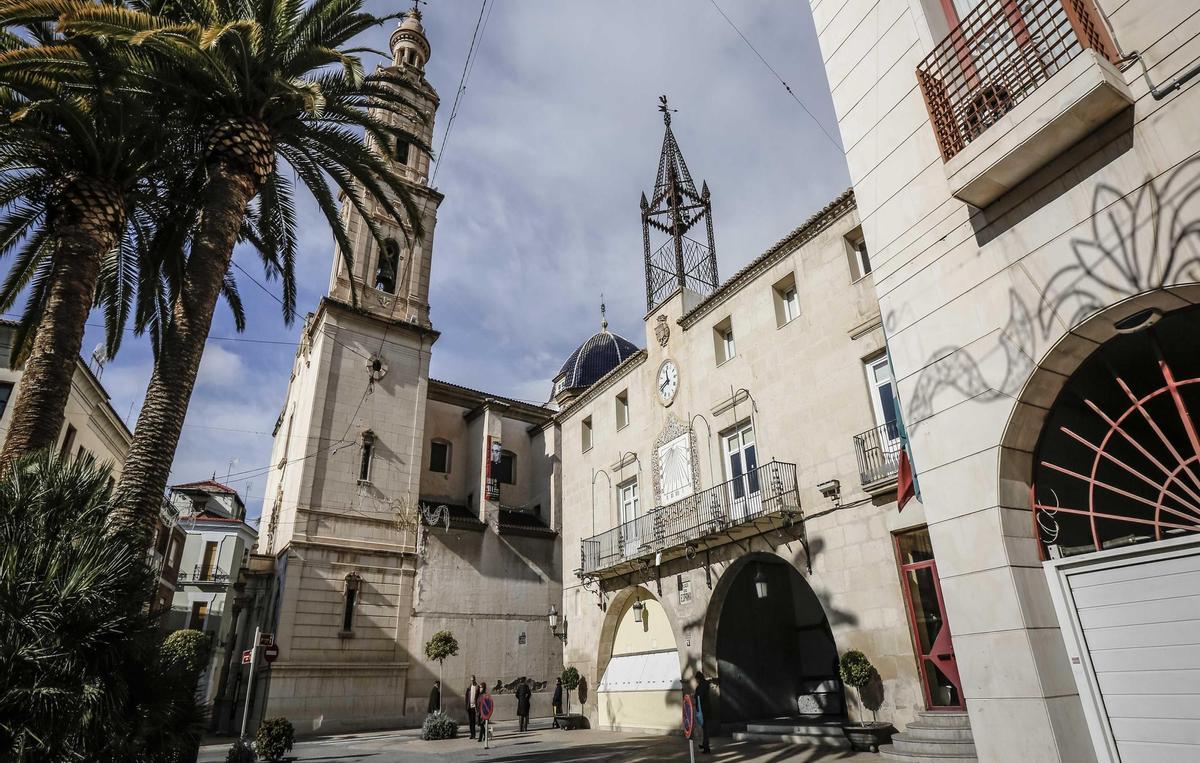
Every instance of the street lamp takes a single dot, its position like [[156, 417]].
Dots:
[[553, 617], [760, 583], [638, 609]]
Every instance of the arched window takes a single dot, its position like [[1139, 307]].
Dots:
[[388, 266], [350, 598]]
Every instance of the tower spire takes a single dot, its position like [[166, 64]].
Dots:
[[603, 318], [674, 209]]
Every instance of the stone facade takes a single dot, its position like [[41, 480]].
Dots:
[[990, 308]]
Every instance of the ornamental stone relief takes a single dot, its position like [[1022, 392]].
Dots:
[[674, 462]]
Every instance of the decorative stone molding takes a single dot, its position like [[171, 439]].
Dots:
[[674, 428]]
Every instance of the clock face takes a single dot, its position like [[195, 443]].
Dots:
[[667, 382]]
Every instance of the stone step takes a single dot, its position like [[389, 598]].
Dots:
[[956, 719], [890, 753], [905, 742], [796, 729], [840, 741], [919, 730]]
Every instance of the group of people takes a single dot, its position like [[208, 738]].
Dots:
[[475, 694]]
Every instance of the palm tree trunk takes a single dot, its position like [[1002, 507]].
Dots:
[[88, 228], [143, 483]]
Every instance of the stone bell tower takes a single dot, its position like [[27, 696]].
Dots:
[[346, 461]]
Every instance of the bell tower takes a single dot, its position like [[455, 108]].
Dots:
[[392, 281], [676, 257]]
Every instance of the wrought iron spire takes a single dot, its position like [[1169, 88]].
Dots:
[[675, 208], [603, 318]]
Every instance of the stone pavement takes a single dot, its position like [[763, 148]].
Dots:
[[540, 745]]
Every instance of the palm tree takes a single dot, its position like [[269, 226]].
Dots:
[[85, 162], [265, 82]]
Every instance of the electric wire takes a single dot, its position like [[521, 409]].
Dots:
[[786, 86], [468, 65]]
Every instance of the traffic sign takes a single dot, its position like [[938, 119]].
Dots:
[[689, 716], [246, 656], [270, 653], [486, 706], [266, 639]]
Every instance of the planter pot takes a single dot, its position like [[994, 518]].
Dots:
[[870, 736]]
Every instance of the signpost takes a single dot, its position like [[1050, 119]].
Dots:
[[486, 706], [250, 657], [689, 725]]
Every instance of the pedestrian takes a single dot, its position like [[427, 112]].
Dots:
[[523, 696], [483, 724], [556, 701], [435, 698], [701, 697], [472, 696]]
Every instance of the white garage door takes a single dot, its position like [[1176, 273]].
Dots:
[[1135, 648]]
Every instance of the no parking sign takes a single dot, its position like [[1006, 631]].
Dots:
[[486, 706]]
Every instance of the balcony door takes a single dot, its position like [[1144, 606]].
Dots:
[[741, 461], [627, 496]]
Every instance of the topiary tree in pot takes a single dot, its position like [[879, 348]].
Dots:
[[570, 680], [441, 646], [857, 671]]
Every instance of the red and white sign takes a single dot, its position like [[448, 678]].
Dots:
[[266, 639], [246, 656], [486, 706], [270, 653]]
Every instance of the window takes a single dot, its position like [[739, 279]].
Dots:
[[401, 154], [627, 500], [209, 563], [68, 441], [723, 340], [622, 409], [506, 470], [439, 457], [587, 434], [366, 456], [856, 254], [787, 301], [741, 459], [350, 598], [883, 395], [199, 615], [6, 389], [388, 267]]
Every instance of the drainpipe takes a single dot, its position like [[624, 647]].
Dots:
[[1162, 91]]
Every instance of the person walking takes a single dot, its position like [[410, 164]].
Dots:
[[524, 694], [556, 701], [483, 724], [472, 696], [435, 698], [701, 697]]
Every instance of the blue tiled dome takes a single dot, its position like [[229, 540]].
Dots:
[[593, 359]]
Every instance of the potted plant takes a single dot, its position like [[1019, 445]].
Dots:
[[275, 737], [858, 672], [570, 680]]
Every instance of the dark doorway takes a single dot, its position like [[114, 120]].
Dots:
[[775, 652]]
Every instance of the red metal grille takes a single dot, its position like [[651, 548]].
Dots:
[[999, 54]]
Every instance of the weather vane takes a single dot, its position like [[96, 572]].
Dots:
[[666, 111]]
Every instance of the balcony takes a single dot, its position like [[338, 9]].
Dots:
[[204, 574], [760, 500], [878, 452], [1013, 86]]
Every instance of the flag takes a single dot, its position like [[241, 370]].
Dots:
[[906, 485]]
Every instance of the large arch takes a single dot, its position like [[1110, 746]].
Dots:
[[639, 664], [772, 656]]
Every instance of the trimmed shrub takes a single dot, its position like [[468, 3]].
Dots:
[[184, 653], [857, 671], [439, 726], [275, 737], [241, 752]]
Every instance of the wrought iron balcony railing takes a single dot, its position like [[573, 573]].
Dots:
[[204, 574], [767, 491], [878, 452], [997, 56]]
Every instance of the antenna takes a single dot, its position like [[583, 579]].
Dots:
[[99, 357]]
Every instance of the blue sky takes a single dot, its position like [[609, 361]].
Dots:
[[556, 137]]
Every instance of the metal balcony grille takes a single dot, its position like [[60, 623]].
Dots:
[[878, 453], [768, 490], [998, 55], [204, 574]]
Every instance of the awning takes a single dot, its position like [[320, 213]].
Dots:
[[646, 671]]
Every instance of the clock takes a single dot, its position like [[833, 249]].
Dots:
[[667, 382]]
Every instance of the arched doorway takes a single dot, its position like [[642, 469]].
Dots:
[[640, 685], [769, 639]]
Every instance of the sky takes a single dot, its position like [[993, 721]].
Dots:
[[557, 135]]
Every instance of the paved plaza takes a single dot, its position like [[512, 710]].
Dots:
[[539, 745]]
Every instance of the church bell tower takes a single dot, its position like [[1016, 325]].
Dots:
[[677, 256]]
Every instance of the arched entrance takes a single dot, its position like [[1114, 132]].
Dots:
[[768, 638], [640, 682]]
